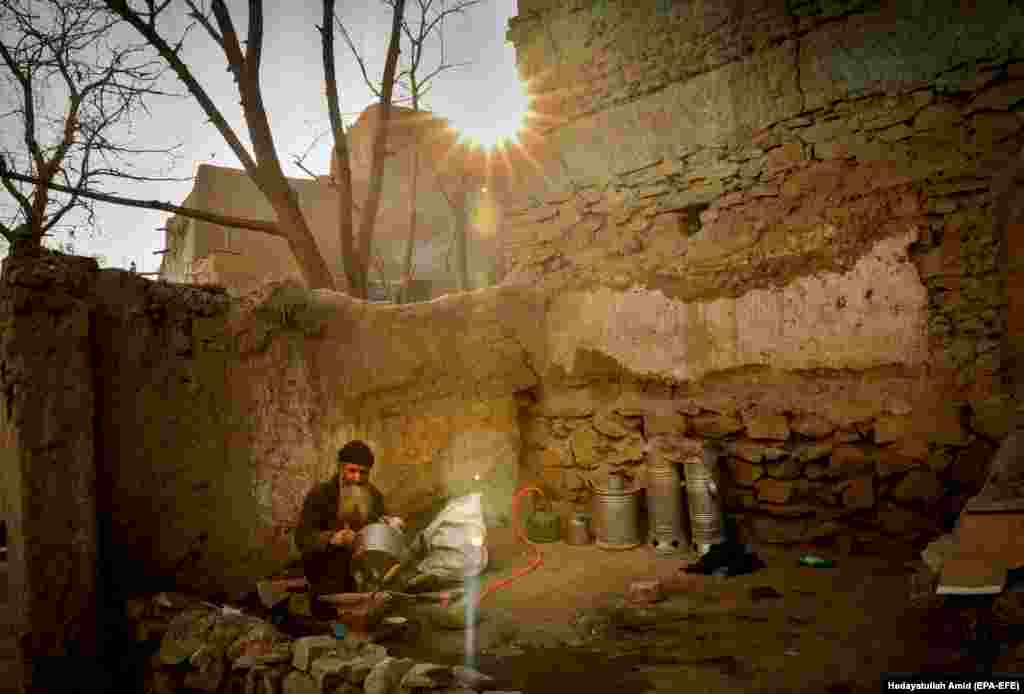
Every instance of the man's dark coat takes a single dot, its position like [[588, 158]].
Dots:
[[327, 566]]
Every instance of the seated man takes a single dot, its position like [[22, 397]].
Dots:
[[332, 513]]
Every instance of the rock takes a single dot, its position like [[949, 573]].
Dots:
[[806, 452], [613, 425], [812, 425], [859, 493], [850, 460], [209, 668], [330, 671], [890, 428], [296, 682], [470, 677], [429, 676], [186, 635], [788, 469], [753, 451], [890, 463], [362, 665], [938, 550], [993, 418], [919, 485], [386, 675], [716, 425], [591, 449], [774, 491], [744, 474], [766, 425], [679, 449], [308, 648], [815, 471], [671, 423]]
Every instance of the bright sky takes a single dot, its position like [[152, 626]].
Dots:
[[484, 98]]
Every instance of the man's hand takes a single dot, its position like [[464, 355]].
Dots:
[[395, 522], [344, 537]]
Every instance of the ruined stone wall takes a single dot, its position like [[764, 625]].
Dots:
[[792, 202]]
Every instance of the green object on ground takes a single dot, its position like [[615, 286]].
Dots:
[[816, 562], [544, 526]]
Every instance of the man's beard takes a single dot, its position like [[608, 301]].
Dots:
[[354, 504]]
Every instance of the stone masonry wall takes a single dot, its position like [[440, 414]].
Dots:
[[717, 165]]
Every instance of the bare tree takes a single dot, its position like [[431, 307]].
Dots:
[[426, 26], [62, 51], [263, 164], [357, 257]]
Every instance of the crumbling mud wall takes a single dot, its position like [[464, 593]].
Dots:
[[206, 419], [783, 209], [50, 498]]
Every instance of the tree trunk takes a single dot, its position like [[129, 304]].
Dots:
[[410, 242], [461, 251], [372, 204]]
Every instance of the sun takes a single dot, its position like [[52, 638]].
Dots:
[[497, 126]]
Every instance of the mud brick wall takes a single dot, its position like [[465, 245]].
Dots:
[[716, 156], [48, 471]]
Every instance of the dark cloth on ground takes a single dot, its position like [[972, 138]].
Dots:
[[328, 567]]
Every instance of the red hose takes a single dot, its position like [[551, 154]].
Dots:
[[494, 586]]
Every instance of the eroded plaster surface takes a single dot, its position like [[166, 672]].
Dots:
[[874, 315]]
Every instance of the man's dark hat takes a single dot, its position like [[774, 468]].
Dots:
[[355, 452]]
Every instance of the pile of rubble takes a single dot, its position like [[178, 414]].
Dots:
[[203, 647]]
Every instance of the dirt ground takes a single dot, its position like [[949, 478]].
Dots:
[[568, 624]]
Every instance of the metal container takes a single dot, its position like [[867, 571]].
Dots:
[[617, 517], [705, 505], [378, 547], [579, 530], [665, 507]]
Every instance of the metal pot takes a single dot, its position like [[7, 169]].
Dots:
[[377, 549]]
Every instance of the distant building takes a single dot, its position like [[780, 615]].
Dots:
[[239, 259]]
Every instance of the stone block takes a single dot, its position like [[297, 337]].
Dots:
[[296, 682], [471, 677], [848, 461], [766, 425], [308, 648], [859, 493], [753, 451], [774, 491], [613, 425], [994, 417], [890, 463], [920, 485], [787, 469], [386, 676], [743, 473], [890, 428], [812, 425], [716, 425], [805, 453], [428, 676]]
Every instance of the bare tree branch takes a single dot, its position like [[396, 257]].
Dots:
[[202, 215], [370, 84]]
